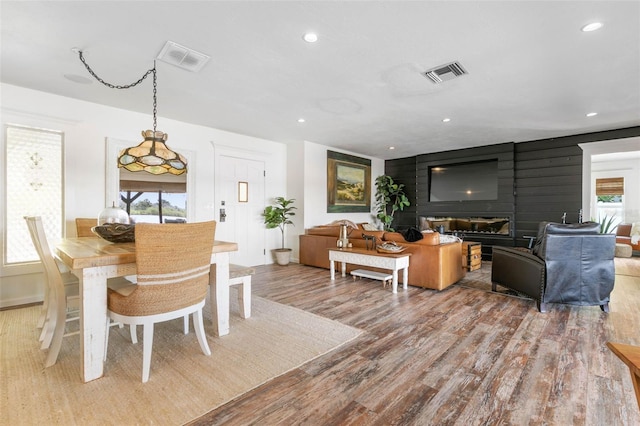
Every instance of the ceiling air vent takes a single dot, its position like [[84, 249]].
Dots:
[[445, 72], [182, 57]]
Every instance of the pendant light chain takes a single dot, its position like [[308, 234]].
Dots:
[[114, 86], [152, 155], [155, 102], [128, 86]]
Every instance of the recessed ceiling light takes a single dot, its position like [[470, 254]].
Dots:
[[78, 78], [446, 120], [592, 27], [301, 120], [592, 114], [310, 37], [392, 147]]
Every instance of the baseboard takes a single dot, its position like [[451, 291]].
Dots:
[[14, 303]]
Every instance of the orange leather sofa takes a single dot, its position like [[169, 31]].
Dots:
[[431, 265]]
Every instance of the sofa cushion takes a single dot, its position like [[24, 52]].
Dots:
[[624, 230], [394, 236], [368, 227], [328, 231], [429, 239]]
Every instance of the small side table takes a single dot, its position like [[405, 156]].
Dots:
[[471, 255]]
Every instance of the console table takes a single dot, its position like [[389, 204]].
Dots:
[[393, 262]]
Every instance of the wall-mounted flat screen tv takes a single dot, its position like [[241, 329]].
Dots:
[[464, 181]]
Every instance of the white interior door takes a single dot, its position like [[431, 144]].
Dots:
[[240, 192]]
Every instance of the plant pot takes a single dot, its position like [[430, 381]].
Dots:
[[283, 256]]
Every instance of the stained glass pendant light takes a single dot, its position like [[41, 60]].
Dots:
[[152, 155]]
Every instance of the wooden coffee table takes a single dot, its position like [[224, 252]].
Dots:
[[371, 258]]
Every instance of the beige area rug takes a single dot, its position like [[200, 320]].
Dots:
[[184, 383], [628, 266]]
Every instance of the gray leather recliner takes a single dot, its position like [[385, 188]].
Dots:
[[569, 264]]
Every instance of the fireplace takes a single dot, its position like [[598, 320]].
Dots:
[[474, 225]]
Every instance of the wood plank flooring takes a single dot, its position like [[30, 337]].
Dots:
[[458, 357]]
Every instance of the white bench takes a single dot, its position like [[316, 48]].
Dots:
[[238, 275], [394, 262], [373, 275]]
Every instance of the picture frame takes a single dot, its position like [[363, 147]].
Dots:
[[348, 183]]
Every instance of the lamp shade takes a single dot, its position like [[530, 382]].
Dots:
[[152, 156]]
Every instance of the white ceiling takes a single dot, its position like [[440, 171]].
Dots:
[[532, 73]]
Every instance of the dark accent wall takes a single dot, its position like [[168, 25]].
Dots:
[[537, 181], [403, 170]]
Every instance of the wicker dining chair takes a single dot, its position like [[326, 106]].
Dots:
[[173, 265], [84, 225]]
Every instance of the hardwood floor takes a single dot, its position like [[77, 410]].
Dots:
[[458, 357]]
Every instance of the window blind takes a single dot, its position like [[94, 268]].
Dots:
[[610, 186]]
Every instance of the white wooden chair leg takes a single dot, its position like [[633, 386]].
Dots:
[[198, 324], [43, 333], [45, 308], [134, 335], [185, 324], [244, 297], [47, 333], [49, 325], [106, 338], [212, 301], [147, 346], [58, 334]]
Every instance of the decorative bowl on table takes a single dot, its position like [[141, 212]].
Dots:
[[116, 232], [390, 248]]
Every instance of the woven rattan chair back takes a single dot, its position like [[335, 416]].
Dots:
[[172, 262], [173, 265], [84, 225]]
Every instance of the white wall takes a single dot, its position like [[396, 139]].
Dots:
[[629, 170], [86, 127], [315, 187], [624, 145], [297, 170]]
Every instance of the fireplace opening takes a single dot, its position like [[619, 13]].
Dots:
[[467, 225]]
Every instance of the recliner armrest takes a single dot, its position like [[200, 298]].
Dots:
[[518, 270]]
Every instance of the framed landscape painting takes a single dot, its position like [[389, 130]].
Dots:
[[348, 183]]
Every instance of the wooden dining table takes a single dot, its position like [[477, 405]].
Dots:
[[94, 260]]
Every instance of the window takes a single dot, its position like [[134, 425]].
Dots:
[[155, 207], [610, 201], [34, 187]]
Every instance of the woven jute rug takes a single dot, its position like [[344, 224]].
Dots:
[[628, 266], [184, 383]]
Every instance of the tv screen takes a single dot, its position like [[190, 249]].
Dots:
[[464, 182]]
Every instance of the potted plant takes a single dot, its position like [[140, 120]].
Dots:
[[278, 216], [390, 198]]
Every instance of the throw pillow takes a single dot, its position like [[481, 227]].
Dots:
[[344, 222], [369, 227], [635, 233], [412, 234], [445, 239]]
